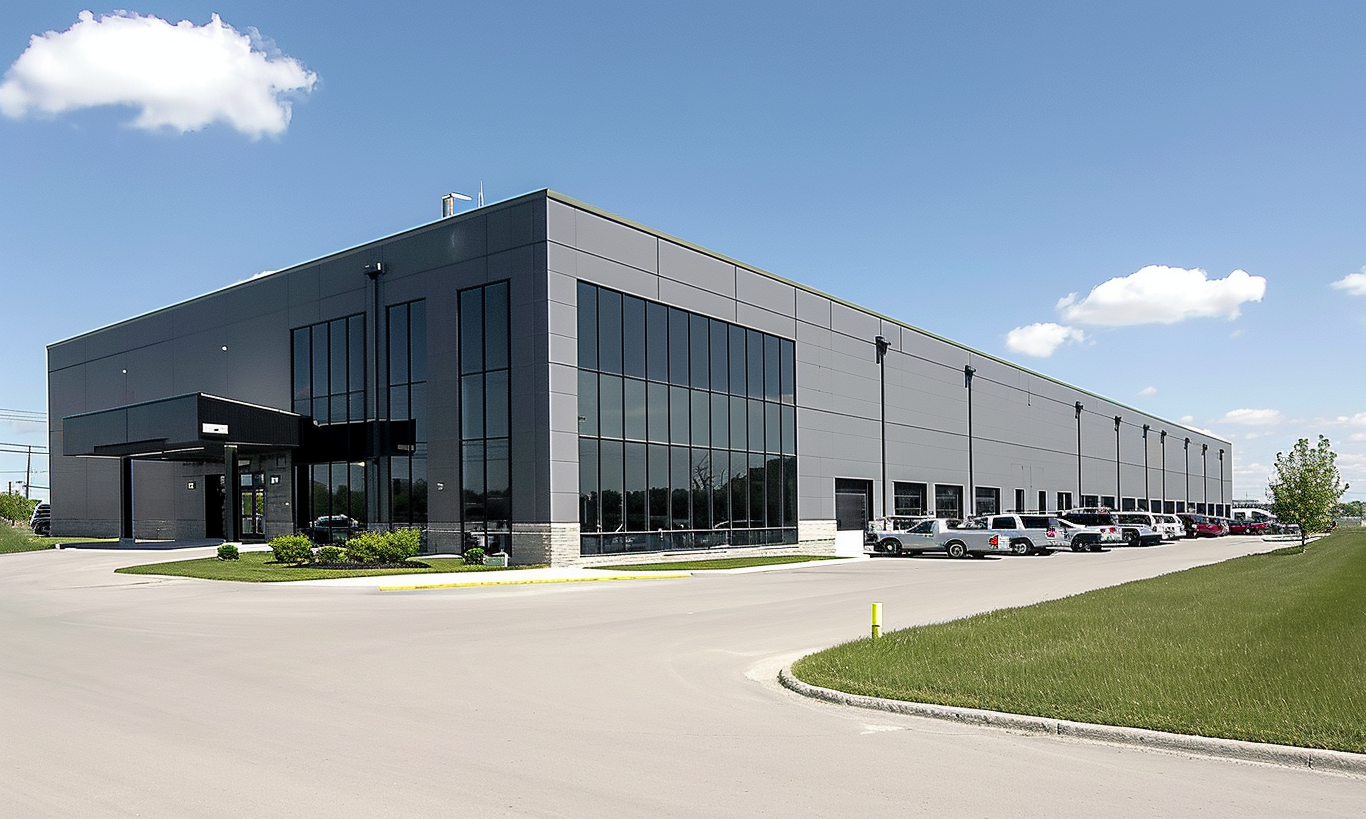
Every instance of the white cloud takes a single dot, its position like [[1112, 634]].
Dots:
[[1358, 420], [1252, 417], [1353, 283], [181, 76], [1147, 391], [1158, 294], [1041, 340], [1187, 419]]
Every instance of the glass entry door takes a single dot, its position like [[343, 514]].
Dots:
[[253, 519]]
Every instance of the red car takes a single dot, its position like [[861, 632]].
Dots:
[[1201, 525]]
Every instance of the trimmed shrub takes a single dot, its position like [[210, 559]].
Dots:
[[329, 554], [292, 549], [228, 552], [365, 547], [384, 547], [474, 557]]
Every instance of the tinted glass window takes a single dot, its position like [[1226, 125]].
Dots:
[[633, 332], [720, 356], [700, 354], [588, 326], [609, 331], [657, 341]]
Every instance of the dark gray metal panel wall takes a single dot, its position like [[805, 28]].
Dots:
[[179, 350]]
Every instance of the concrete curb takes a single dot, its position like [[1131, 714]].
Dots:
[[1284, 755], [531, 581]]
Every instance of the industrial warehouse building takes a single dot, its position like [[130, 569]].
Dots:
[[556, 381]]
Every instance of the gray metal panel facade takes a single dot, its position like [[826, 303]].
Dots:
[[1024, 429]]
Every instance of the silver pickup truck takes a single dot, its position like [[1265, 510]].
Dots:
[[940, 535]]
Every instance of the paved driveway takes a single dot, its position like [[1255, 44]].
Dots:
[[133, 696]]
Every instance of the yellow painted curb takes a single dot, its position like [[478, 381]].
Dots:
[[529, 582]]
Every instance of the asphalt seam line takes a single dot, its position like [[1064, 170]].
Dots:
[[1283, 755], [533, 581]]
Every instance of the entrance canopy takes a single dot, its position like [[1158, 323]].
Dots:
[[191, 427]]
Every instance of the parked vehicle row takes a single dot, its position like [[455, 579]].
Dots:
[[1081, 530], [41, 520]]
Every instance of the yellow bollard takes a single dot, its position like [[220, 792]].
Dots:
[[877, 620]]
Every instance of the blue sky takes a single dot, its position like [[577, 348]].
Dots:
[[961, 166]]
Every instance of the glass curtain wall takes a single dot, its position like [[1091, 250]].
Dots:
[[328, 375], [687, 429], [485, 417], [407, 347]]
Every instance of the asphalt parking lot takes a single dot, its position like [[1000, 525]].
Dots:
[[124, 695]]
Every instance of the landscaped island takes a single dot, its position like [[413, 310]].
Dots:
[[1265, 648]]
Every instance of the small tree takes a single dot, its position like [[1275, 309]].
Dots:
[[1306, 486]]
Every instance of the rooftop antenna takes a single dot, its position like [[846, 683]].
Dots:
[[481, 193], [448, 202]]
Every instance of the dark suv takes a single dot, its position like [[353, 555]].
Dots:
[[41, 521]]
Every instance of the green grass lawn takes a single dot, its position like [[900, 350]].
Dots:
[[718, 563], [21, 539], [1267, 648], [259, 567]]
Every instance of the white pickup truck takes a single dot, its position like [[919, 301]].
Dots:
[[940, 535]]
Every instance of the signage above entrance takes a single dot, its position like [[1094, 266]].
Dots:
[[214, 429]]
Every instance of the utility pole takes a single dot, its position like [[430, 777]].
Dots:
[[28, 471]]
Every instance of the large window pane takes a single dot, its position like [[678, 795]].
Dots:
[[755, 364], [588, 403], [720, 421], [737, 360], [657, 341], [588, 326], [303, 356], [720, 487], [471, 330], [588, 484], [637, 483], [418, 498], [739, 423], [756, 425], [320, 346], [609, 331], [720, 356], [355, 352], [496, 404], [400, 489], [609, 407], [496, 336], [633, 333], [948, 501], [772, 367], [357, 487], [701, 488], [472, 484], [613, 481], [699, 354], [678, 415], [789, 430], [321, 481], [790, 490], [739, 489], [471, 407], [773, 429], [680, 477], [398, 403], [678, 346], [338, 356], [659, 487], [657, 414], [417, 341], [774, 470], [498, 478], [701, 417], [757, 481], [398, 344], [633, 401], [417, 410], [788, 371]]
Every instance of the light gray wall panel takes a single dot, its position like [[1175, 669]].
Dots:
[[813, 309], [687, 266], [617, 276], [854, 323], [697, 301], [763, 291], [611, 240], [766, 320], [560, 223]]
